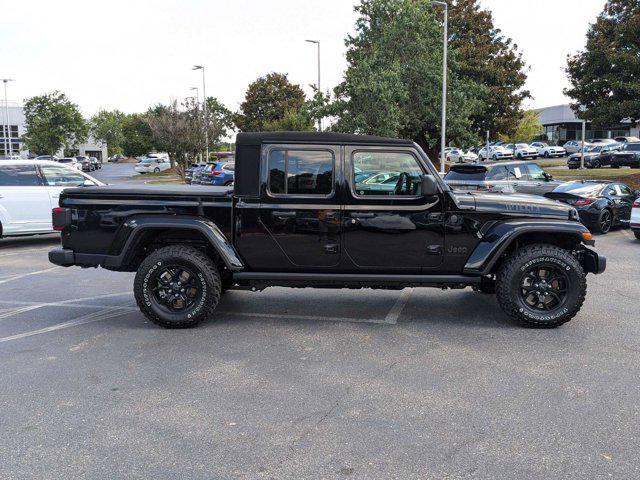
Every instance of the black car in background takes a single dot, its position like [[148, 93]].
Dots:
[[629, 156], [600, 204], [595, 156], [506, 177]]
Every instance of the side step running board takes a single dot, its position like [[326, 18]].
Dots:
[[339, 278]]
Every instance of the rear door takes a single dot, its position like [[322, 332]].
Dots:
[[300, 209], [390, 226], [24, 201]]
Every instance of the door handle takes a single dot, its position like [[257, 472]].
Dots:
[[283, 214], [362, 214]]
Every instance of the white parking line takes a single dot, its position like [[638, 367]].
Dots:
[[23, 275], [396, 310], [105, 314], [312, 318], [16, 311]]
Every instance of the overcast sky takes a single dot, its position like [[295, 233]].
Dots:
[[132, 54]]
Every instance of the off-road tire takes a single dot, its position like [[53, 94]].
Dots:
[[208, 280], [156, 170], [508, 285]]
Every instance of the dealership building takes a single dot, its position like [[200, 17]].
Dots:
[[561, 124], [11, 137]]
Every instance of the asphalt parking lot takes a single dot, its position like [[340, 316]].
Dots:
[[313, 383]]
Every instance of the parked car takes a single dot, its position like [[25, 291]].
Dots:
[[600, 204], [52, 158], [496, 152], [595, 156], [86, 164], [548, 151], [71, 161], [627, 139], [29, 189], [189, 172], [507, 177], [97, 163], [635, 218], [628, 156], [220, 173], [152, 165], [573, 146], [459, 155], [602, 140], [297, 219], [117, 157], [522, 151]]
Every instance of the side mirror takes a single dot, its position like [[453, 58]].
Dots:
[[547, 177], [429, 186]]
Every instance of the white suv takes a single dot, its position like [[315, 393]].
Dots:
[[548, 151], [635, 218], [29, 189]]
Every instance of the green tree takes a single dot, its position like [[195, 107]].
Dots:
[[106, 126], [137, 138], [485, 56], [393, 81], [268, 100], [605, 77], [528, 128], [52, 123]]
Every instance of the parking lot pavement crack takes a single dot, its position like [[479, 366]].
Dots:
[[325, 415]]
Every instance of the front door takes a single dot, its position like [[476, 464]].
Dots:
[[299, 207], [388, 224]]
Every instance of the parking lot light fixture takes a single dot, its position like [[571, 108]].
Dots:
[[204, 108], [317, 42], [197, 93], [445, 52]]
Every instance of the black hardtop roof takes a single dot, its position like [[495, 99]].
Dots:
[[258, 138]]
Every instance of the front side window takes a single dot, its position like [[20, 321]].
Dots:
[[536, 172], [498, 173], [62, 177], [389, 173], [301, 172], [18, 176]]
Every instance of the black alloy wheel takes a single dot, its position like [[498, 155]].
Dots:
[[544, 288], [175, 288], [605, 219]]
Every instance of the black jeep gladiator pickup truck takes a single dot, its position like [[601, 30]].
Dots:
[[334, 211]]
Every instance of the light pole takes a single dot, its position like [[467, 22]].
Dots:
[[584, 134], [197, 93], [445, 52], [7, 132], [317, 42], [204, 108]]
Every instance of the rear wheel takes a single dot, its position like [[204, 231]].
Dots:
[[541, 286], [596, 164], [177, 287], [636, 233], [605, 219], [546, 155], [156, 170]]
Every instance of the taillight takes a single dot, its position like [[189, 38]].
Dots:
[[583, 202], [636, 204], [60, 218], [216, 172]]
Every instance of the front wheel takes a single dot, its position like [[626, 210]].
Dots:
[[177, 287], [546, 155], [637, 234], [541, 286], [156, 170]]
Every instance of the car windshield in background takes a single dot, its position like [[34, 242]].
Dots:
[[595, 149], [66, 160], [467, 174], [522, 145]]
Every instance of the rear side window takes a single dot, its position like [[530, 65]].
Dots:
[[632, 147], [301, 172], [498, 173], [18, 176]]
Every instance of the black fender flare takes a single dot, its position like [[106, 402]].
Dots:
[[132, 230], [500, 235]]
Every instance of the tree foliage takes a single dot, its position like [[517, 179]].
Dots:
[[137, 138], [605, 77], [393, 83], [179, 130], [528, 128], [485, 56], [106, 126], [53, 123], [267, 101]]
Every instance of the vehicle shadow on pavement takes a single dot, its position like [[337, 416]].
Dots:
[[30, 241]]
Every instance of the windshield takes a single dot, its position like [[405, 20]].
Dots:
[[594, 149], [66, 160], [522, 145]]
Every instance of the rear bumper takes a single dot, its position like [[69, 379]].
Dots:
[[66, 258]]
